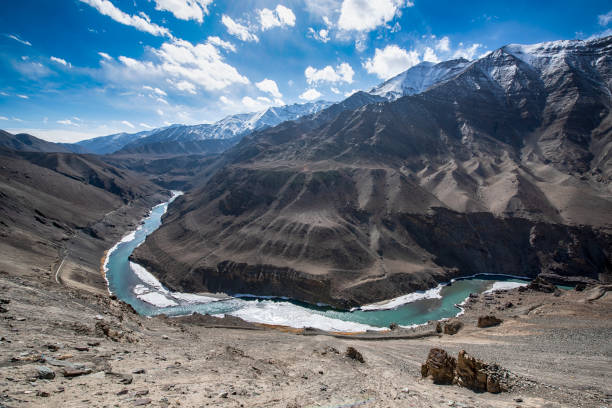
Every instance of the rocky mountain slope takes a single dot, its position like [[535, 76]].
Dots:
[[504, 168], [59, 207], [28, 143]]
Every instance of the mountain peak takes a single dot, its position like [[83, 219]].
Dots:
[[419, 78]]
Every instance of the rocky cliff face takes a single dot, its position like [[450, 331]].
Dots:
[[503, 168]]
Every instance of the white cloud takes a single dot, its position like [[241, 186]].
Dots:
[[321, 35], [390, 61], [238, 30], [323, 8], [128, 124], [144, 125], [269, 86], [22, 96], [3, 93], [16, 38], [220, 43], [185, 9], [430, 55], [366, 15], [342, 73], [141, 22], [335, 90], [67, 122], [254, 104], [3, 118], [200, 64], [105, 55], [160, 112], [467, 53], [184, 65], [443, 44], [349, 93], [605, 19], [60, 61], [155, 90], [279, 17], [186, 86], [310, 94]]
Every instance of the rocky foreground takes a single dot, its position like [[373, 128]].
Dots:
[[67, 348]]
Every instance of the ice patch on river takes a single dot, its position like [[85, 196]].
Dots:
[[433, 293], [288, 314], [505, 286], [154, 293]]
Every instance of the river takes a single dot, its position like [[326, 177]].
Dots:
[[135, 285]]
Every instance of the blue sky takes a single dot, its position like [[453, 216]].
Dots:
[[73, 69]]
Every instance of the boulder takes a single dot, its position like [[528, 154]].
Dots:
[[452, 327], [45, 373], [488, 321], [440, 366], [471, 372], [352, 352]]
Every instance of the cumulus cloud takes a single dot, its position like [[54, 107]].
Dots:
[[279, 17], [310, 94], [105, 55], [605, 19], [128, 124], [430, 55], [238, 30], [466, 52], [180, 63], [60, 61], [253, 104], [366, 15], [390, 61], [214, 40], [185, 86], [141, 22], [18, 39], [185, 9], [342, 73], [321, 35], [269, 86], [443, 44]]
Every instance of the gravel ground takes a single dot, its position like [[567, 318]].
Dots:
[[560, 353]]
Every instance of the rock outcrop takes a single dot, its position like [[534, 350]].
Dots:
[[465, 371], [440, 366], [488, 321]]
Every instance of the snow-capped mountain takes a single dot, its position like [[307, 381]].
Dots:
[[419, 78], [112, 143], [228, 131]]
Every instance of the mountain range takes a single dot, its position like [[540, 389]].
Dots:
[[499, 165]]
